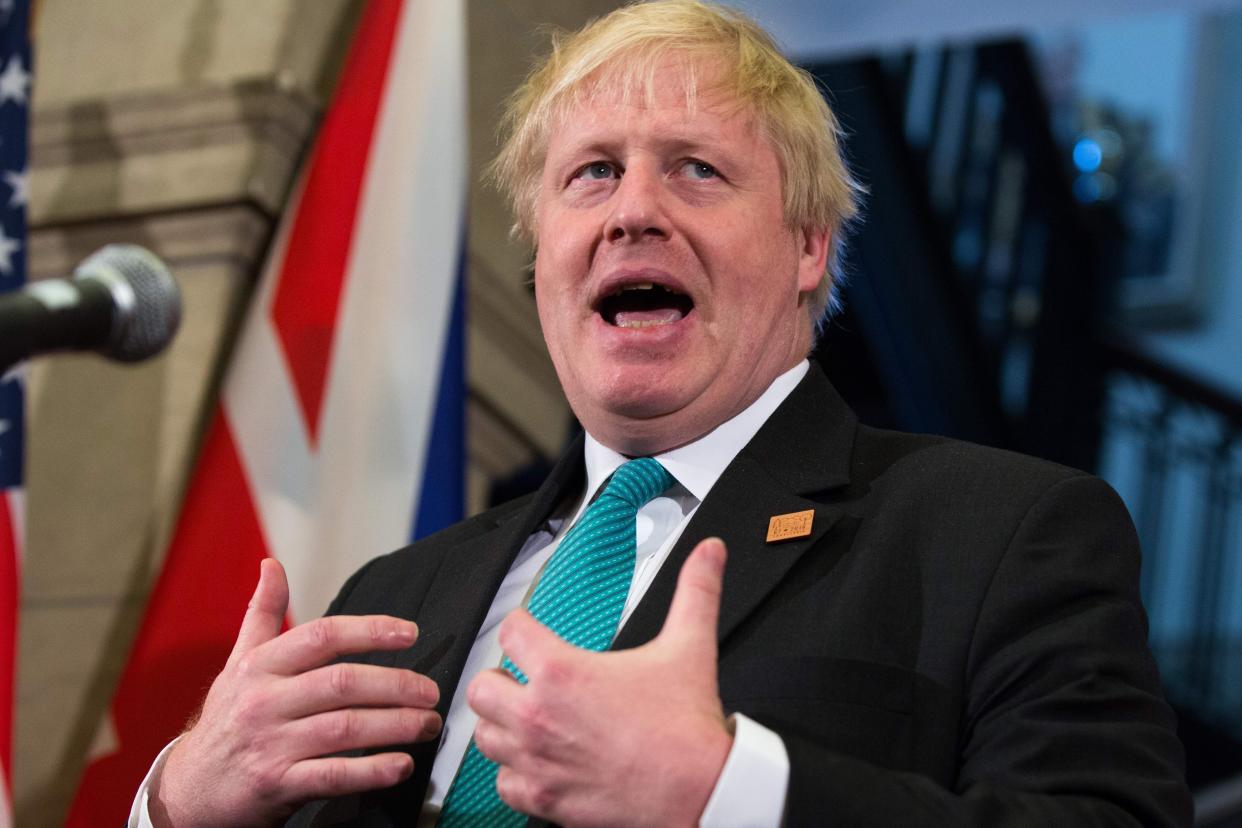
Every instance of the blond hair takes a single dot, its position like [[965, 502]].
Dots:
[[626, 48]]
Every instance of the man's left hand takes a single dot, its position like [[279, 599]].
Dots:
[[634, 737]]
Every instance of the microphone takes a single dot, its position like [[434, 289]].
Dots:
[[122, 302]]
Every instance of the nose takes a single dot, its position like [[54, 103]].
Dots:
[[638, 208]]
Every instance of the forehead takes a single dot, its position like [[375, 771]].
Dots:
[[671, 92]]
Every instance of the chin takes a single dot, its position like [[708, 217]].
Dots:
[[641, 424], [633, 413], [636, 400], [644, 395]]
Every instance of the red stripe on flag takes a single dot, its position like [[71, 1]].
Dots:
[[188, 630], [309, 289], [8, 632]]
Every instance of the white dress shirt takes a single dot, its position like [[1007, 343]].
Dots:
[[750, 792]]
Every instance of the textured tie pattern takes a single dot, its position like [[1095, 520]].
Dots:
[[579, 597]]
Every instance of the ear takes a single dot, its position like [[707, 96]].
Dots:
[[814, 243]]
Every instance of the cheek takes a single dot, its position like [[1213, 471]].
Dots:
[[558, 264], [546, 307], [549, 282]]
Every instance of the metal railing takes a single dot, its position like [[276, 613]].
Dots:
[[956, 145], [1173, 448]]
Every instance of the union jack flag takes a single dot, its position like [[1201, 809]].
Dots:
[[339, 426], [14, 109]]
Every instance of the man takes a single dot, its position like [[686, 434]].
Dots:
[[904, 630]]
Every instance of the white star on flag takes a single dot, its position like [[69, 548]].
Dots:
[[7, 248], [14, 81], [19, 184]]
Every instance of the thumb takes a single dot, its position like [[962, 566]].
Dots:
[[695, 610], [265, 616]]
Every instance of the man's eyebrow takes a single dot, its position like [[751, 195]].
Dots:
[[707, 142], [690, 143]]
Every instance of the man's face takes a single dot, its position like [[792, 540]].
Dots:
[[670, 291]]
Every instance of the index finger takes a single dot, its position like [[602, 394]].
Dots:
[[323, 640]]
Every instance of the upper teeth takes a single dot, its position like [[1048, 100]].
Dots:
[[639, 286]]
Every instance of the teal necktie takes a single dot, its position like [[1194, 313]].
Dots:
[[579, 597]]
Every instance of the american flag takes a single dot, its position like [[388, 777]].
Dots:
[[14, 112]]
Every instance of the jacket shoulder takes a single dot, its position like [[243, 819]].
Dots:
[[943, 463]]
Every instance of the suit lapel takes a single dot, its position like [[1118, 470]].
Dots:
[[466, 582], [449, 617], [803, 450]]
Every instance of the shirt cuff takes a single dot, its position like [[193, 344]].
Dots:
[[139, 816], [750, 792]]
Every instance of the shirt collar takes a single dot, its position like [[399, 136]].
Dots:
[[698, 465]]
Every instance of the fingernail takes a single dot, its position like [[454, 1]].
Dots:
[[714, 549], [406, 632], [402, 766]]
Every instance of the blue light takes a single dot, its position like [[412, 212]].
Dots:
[[1087, 155]]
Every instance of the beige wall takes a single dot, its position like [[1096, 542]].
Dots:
[[178, 124]]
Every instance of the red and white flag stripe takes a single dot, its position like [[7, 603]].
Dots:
[[15, 101], [317, 452], [12, 511]]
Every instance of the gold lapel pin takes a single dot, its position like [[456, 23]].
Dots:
[[790, 526]]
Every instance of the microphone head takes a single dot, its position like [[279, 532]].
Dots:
[[147, 302]]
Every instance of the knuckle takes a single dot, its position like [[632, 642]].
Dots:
[[340, 681], [264, 777], [332, 775], [556, 673], [322, 633], [534, 724], [541, 795], [251, 711], [377, 629], [345, 726], [246, 666], [700, 582]]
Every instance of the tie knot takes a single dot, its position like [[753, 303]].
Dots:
[[638, 481]]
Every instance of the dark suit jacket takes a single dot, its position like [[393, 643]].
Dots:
[[958, 642]]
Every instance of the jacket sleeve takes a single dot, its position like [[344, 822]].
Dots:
[[1064, 720]]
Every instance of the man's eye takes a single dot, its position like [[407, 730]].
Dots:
[[699, 170], [598, 171]]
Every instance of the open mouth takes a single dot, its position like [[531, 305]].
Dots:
[[643, 305]]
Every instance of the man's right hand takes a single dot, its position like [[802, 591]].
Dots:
[[260, 746]]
